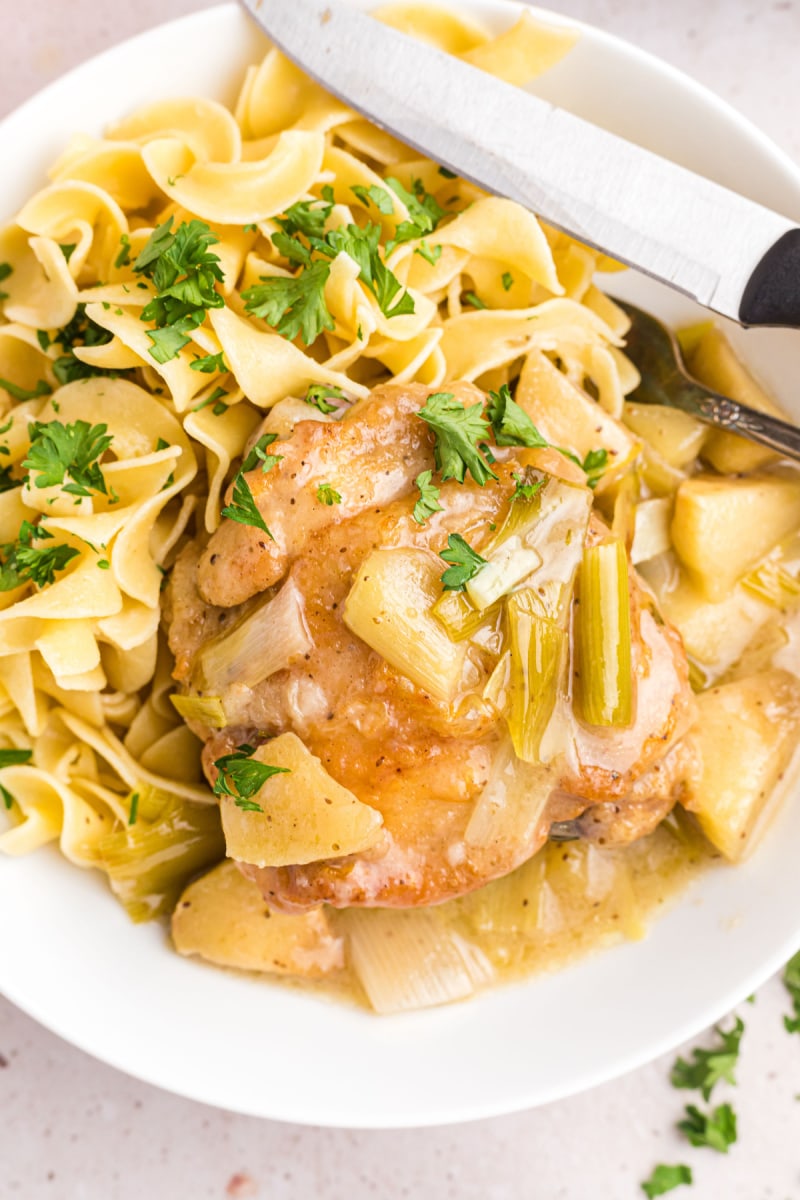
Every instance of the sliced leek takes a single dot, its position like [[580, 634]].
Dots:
[[651, 529], [268, 640], [411, 959], [604, 681], [558, 536], [390, 608], [508, 811], [773, 583], [539, 649], [206, 709], [150, 861], [459, 616]]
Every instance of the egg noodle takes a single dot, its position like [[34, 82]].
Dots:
[[119, 433]]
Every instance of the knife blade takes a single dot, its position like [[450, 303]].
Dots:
[[734, 256]]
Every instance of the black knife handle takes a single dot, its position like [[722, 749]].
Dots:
[[772, 297]]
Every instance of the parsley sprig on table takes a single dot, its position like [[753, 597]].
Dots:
[[241, 777], [791, 979], [716, 1129], [707, 1067], [666, 1178], [185, 274], [70, 453], [295, 306]]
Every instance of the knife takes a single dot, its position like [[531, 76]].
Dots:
[[733, 256]]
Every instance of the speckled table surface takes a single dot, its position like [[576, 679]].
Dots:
[[73, 1129]]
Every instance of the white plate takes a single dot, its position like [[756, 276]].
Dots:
[[68, 954]]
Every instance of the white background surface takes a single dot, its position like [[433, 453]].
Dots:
[[72, 1129]]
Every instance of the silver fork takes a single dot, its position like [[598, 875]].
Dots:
[[665, 380]]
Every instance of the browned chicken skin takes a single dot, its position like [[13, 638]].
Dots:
[[419, 761]]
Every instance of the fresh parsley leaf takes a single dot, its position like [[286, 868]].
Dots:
[[424, 211], [526, 491], [219, 408], [293, 306], [258, 455], [8, 799], [21, 562], [708, 1067], [507, 281], [431, 254], [6, 269], [214, 398], [13, 758], [665, 1179], [124, 256], [210, 364], [185, 274], [133, 811], [21, 394], [511, 424], [307, 217], [59, 452], [791, 979], [473, 300], [242, 778], [326, 494], [447, 173], [458, 431], [594, 464], [68, 249], [243, 507], [318, 394], [428, 502], [466, 563], [716, 1129], [7, 480], [375, 195], [252, 227], [80, 331]]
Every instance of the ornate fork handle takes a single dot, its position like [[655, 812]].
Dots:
[[759, 427]]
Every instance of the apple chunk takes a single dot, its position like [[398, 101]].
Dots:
[[305, 814]]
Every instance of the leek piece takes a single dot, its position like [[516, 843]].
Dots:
[[605, 679], [660, 477], [558, 536], [150, 861], [207, 710], [224, 918], [538, 664], [508, 566], [411, 959], [773, 583], [651, 529], [496, 689], [460, 618], [268, 640], [508, 811], [305, 816], [390, 608]]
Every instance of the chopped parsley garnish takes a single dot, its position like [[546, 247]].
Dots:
[[326, 494], [243, 507], [716, 1129], [296, 306], [210, 363], [6, 269], [374, 195], [242, 778], [319, 394], [665, 1179], [258, 455], [428, 502], [791, 979], [465, 563], [473, 300], [458, 431], [508, 281], [133, 812], [8, 799], [594, 465], [21, 562], [447, 173], [513, 427], [124, 256], [21, 394], [184, 273], [431, 254], [214, 398], [526, 491], [13, 758], [59, 452], [81, 331], [293, 306], [708, 1067], [68, 249], [251, 228], [424, 211]]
